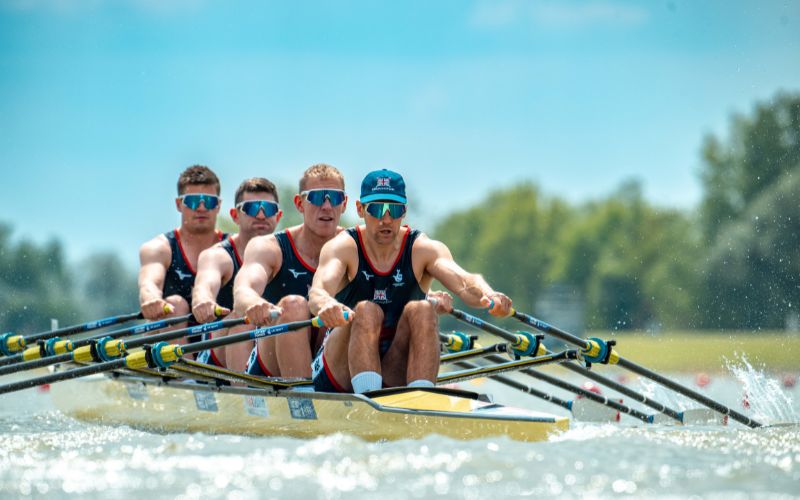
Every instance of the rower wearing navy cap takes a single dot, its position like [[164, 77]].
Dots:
[[380, 273]]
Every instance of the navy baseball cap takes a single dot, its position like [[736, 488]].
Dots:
[[383, 185]]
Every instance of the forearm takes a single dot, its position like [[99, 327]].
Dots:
[[148, 291], [319, 298], [472, 289], [244, 298]]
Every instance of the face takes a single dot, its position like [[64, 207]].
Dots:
[[321, 220], [383, 230], [260, 224], [201, 220]]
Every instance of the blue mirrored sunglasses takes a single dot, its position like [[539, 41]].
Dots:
[[193, 201], [252, 207], [377, 210], [317, 196]]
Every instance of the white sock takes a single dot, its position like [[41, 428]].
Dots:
[[420, 383], [366, 381]]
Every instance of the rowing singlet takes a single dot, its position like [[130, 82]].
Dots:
[[225, 295], [391, 290], [294, 276], [180, 275]]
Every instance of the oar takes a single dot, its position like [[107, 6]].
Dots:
[[597, 350], [505, 366], [511, 337], [162, 354], [488, 327], [460, 346], [51, 353], [11, 343]]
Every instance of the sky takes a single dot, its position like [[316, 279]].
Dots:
[[104, 103]]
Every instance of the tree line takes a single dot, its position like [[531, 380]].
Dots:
[[732, 262]]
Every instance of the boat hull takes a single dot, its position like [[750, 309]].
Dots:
[[151, 405]]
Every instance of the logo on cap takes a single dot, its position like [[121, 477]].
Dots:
[[383, 182]]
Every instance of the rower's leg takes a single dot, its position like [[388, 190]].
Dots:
[[292, 352], [179, 308], [414, 353], [353, 349], [236, 355]]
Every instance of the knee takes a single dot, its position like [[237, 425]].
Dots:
[[367, 312], [294, 306], [179, 305], [421, 310]]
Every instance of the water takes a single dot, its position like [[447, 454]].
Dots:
[[47, 455]]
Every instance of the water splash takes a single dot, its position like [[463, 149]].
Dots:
[[767, 400]]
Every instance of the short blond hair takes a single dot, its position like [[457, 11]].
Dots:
[[320, 171]]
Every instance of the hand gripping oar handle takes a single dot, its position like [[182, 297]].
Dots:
[[11, 343], [50, 353], [614, 358], [163, 352]]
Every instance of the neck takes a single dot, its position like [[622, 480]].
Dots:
[[382, 252], [308, 243], [241, 239], [189, 237]]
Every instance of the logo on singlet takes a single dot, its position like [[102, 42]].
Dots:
[[380, 296], [182, 275], [398, 278], [297, 273], [367, 276]]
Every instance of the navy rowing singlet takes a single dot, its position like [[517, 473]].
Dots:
[[295, 275], [225, 295], [391, 290], [180, 274]]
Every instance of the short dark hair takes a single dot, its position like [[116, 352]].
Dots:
[[256, 185], [197, 175], [320, 171]]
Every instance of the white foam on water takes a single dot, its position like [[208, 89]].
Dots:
[[769, 403]]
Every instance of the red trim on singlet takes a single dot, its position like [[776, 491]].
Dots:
[[297, 254], [328, 372], [261, 364], [183, 254], [399, 255], [235, 251], [216, 360]]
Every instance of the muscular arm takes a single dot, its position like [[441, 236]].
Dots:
[[469, 287], [154, 257], [213, 266], [262, 261], [336, 259]]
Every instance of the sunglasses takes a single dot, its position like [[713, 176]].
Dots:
[[377, 210], [318, 196], [192, 201], [252, 207]]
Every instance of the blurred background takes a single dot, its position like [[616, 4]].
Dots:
[[612, 165]]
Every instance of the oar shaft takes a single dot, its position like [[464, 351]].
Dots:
[[85, 327], [472, 353], [65, 375], [510, 382], [36, 363], [624, 390], [640, 370], [503, 366], [10, 360], [710, 403], [258, 333]]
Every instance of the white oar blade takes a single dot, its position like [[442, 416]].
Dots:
[[586, 410], [703, 416]]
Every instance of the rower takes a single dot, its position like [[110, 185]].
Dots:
[[169, 261], [277, 273], [380, 273], [256, 212]]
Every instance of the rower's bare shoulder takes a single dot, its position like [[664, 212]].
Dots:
[[427, 248], [155, 250], [214, 256]]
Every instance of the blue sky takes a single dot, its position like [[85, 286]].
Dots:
[[103, 103]]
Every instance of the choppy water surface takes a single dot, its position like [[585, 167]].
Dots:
[[45, 454]]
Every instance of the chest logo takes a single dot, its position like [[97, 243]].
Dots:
[[297, 273], [398, 278], [367, 276], [380, 296], [182, 275]]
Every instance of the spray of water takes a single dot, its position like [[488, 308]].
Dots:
[[768, 402]]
